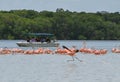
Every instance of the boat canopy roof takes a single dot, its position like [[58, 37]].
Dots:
[[41, 34]]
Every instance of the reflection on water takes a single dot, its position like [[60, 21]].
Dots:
[[70, 69], [69, 72]]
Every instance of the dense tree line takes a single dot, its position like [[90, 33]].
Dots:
[[14, 24]]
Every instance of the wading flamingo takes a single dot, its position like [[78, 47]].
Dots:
[[72, 53]]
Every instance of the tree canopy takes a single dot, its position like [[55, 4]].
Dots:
[[66, 25]]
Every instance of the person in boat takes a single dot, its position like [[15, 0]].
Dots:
[[37, 39], [48, 40], [43, 40], [28, 39], [33, 40]]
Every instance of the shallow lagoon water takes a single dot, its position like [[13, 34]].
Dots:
[[52, 68]]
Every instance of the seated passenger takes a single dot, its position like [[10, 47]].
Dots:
[[42, 39], [33, 40], [28, 39], [37, 39], [48, 40]]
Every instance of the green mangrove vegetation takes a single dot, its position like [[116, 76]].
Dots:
[[66, 25]]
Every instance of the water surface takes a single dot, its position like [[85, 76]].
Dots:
[[56, 68]]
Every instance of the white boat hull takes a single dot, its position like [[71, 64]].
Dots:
[[37, 44]]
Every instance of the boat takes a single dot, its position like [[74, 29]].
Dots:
[[39, 40]]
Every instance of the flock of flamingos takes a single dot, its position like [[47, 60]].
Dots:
[[58, 50]]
